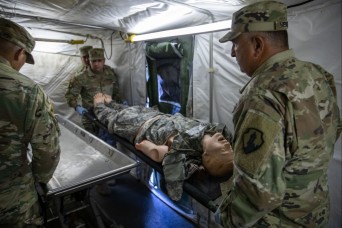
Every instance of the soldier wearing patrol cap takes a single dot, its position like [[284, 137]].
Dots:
[[84, 52], [96, 54], [98, 78], [18, 36], [26, 117], [97, 59], [284, 138]]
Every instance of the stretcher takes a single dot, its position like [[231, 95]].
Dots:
[[203, 188], [84, 162]]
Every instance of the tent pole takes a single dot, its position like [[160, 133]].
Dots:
[[211, 69]]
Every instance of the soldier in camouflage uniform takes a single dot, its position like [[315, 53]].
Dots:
[[95, 79], [181, 136], [26, 117], [84, 51], [98, 78], [286, 124]]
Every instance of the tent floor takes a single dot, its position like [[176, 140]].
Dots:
[[131, 204]]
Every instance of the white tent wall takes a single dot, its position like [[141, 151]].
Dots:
[[55, 78], [314, 34], [226, 81]]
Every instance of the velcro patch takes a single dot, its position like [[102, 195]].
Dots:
[[254, 142]]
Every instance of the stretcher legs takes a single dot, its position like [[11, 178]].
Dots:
[[78, 209]]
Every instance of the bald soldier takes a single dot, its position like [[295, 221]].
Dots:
[[181, 144], [26, 117], [286, 124]]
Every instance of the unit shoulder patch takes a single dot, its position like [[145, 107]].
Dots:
[[252, 140]]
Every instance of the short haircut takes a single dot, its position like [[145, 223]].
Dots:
[[278, 38]]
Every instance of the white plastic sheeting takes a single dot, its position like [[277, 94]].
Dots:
[[226, 81], [128, 16], [314, 34], [124, 15]]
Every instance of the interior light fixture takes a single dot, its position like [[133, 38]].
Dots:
[[60, 41], [212, 27]]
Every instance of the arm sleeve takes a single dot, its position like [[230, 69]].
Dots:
[[332, 85], [116, 90], [45, 136], [259, 158], [73, 91], [106, 116]]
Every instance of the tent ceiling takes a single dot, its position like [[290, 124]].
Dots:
[[99, 22], [122, 15], [128, 16]]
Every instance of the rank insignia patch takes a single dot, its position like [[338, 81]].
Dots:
[[252, 140]]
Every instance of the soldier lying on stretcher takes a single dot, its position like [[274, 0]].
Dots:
[[181, 144]]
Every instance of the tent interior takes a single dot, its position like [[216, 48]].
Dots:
[[207, 87]]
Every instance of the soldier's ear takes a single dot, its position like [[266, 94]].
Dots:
[[19, 54], [258, 43]]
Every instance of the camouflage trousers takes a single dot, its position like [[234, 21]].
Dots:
[[31, 218]]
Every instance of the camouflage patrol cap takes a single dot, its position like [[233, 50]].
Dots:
[[96, 53], [17, 35], [258, 17], [85, 50]]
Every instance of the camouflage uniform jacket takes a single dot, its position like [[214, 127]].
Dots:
[[185, 155], [287, 122], [26, 117], [86, 83]]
